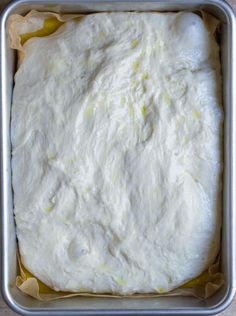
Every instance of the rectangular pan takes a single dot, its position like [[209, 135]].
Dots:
[[101, 306]]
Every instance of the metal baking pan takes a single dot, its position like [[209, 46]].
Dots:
[[103, 306]]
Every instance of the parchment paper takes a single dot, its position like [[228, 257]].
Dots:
[[202, 287]]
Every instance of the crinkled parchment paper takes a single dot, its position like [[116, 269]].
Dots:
[[202, 287], [38, 24]]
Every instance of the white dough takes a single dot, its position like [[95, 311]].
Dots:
[[116, 153]]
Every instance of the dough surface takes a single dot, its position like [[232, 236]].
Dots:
[[116, 153]]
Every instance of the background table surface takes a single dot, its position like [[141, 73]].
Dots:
[[5, 311]]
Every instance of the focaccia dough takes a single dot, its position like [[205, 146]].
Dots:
[[116, 154]]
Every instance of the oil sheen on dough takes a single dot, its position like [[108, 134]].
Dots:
[[116, 156]]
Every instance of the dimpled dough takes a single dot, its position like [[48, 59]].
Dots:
[[116, 153]]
